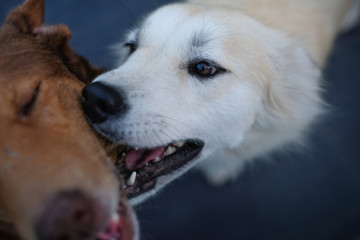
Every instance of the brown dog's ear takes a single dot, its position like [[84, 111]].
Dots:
[[27, 17], [56, 38]]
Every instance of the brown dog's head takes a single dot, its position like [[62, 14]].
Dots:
[[56, 180]]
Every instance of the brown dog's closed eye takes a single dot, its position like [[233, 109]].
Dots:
[[26, 109]]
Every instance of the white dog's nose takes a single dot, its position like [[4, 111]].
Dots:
[[101, 101]]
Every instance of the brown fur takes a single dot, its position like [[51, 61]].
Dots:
[[46, 145]]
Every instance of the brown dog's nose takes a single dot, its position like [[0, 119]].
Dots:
[[101, 101], [71, 215]]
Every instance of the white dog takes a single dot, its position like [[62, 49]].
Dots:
[[220, 81]]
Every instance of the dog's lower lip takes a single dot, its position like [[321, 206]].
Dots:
[[147, 175], [137, 189]]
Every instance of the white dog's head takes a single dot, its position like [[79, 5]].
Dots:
[[189, 73]]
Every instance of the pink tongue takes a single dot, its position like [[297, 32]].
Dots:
[[136, 159]]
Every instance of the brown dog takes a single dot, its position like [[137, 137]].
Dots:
[[56, 180]]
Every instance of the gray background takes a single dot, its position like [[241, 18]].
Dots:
[[312, 194]]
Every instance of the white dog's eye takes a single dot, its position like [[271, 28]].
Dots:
[[131, 46], [204, 69]]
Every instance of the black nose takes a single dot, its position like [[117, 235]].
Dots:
[[101, 101], [71, 215]]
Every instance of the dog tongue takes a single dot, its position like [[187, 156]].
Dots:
[[136, 159]]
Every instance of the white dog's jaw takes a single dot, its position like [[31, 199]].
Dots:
[[266, 95], [164, 180]]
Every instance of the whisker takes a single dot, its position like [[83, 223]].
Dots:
[[172, 119], [171, 128], [155, 133], [150, 139], [225, 36], [166, 135], [137, 136]]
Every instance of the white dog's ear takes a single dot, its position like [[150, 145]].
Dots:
[[293, 94]]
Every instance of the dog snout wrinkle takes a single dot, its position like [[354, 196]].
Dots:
[[71, 215], [101, 101]]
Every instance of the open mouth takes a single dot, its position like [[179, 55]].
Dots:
[[141, 167]]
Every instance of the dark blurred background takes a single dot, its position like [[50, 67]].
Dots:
[[313, 194]]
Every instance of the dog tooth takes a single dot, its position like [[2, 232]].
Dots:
[[131, 179], [157, 159], [169, 150], [179, 143], [123, 155]]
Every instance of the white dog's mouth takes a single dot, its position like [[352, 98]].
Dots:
[[141, 167]]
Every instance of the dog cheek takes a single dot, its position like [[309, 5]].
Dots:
[[228, 122]]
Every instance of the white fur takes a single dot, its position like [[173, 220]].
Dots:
[[352, 18], [268, 99]]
